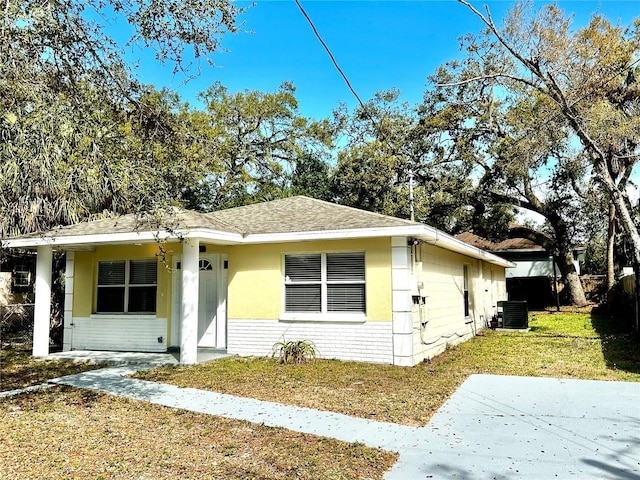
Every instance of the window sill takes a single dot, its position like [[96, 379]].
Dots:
[[324, 317], [121, 315]]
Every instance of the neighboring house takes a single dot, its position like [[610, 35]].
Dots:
[[17, 274], [531, 278], [360, 285]]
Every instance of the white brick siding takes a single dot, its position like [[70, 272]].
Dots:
[[366, 342], [131, 333]]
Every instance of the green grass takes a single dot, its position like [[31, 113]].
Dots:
[[563, 345]]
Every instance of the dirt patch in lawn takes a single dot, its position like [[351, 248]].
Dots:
[[69, 433]]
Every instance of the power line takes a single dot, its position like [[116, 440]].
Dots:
[[377, 128], [335, 63]]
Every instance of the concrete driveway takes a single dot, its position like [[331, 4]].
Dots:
[[501, 427], [493, 427]]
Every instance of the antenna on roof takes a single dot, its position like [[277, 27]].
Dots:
[[411, 209]]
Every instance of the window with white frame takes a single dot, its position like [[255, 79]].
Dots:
[[325, 283], [21, 277], [127, 286]]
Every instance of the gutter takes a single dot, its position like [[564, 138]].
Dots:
[[422, 232], [437, 238]]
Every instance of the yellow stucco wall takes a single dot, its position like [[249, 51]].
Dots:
[[443, 279], [86, 270], [440, 272], [256, 276]]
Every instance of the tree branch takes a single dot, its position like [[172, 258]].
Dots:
[[536, 237], [487, 77]]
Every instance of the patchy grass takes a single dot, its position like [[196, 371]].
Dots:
[[69, 433], [563, 345], [18, 369]]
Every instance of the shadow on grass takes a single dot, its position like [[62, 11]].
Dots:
[[18, 369], [620, 346], [113, 381]]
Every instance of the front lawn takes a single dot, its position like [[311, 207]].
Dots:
[[78, 434], [18, 369], [565, 345], [69, 433]]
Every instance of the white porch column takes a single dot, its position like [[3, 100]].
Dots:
[[401, 302], [189, 309], [42, 309]]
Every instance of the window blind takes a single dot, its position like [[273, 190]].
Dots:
[[303, 268], [322, 283], [143, 272], [346, 298], [111, 273], [342, 267], [303, 298]]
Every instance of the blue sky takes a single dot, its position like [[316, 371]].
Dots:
[[378, 44]]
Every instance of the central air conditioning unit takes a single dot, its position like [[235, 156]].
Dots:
[[513, 314]]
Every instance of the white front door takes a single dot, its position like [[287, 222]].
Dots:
[[208, 301], [212, 301]]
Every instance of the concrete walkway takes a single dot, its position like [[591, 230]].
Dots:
[[135, 358], [493, 427]]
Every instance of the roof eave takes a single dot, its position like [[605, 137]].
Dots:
[[214, 236], [437, 238], [288, 237], [422, 232]]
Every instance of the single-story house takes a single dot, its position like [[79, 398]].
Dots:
[[359, 285]]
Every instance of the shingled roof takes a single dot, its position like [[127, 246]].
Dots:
[[476, 240], [286, 220], [175, 218], [504, 246], [302, 214], [517, 244]]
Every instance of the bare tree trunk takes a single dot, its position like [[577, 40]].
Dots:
[[636, 296], [611, 240], [611, 237], [572, 280], [629, 227]]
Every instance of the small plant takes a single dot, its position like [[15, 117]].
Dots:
[[294, 351]]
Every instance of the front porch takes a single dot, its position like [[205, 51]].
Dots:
[[135, 358], [98, 336]]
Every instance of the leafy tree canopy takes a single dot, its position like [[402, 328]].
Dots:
[[78, 133], [247, 144], [539, 108]]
